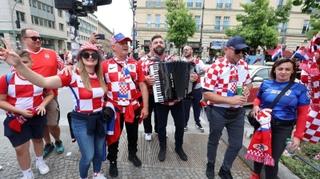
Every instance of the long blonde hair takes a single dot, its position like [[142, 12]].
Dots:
[[85, 76]]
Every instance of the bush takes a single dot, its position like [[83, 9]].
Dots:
[[300, 168]]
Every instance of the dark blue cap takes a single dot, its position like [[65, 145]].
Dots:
[[237, 43]]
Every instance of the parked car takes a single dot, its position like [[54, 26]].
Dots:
[[258, 73]]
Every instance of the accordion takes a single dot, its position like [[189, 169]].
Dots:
[[171, 80]]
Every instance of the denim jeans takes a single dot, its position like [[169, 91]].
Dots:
[[196, 96], [91, 147], [234, 126]]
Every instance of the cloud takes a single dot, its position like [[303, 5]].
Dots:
[[116, 16]]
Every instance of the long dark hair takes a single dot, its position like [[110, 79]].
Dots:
[[278, 63]]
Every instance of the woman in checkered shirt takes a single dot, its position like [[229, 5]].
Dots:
[[88, 88], [25, 105]]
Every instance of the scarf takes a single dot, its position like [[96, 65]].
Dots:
[[259, 149]]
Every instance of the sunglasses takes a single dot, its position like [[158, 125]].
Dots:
[[86, 55], [243, 51], [35, 38]]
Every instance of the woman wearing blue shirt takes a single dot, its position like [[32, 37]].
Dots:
[[289, 112]]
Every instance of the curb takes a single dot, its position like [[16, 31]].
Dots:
[[283, 171]]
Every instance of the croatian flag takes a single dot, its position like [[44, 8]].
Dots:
[[302, 54], [277, 53]]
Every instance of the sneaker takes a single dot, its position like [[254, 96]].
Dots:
[[186, 129], [183, 156], [135, 160], [98, 176], [113, 169], [199, 126], [42, 167], [148, 136], [210, 170], [48, 148], [225, 174], [30, 176], [162, 155], [59, 147]]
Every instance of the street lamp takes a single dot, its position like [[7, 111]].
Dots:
[[201, 26], [12, 24]]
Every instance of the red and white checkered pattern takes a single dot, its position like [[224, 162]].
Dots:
[[312, 132], [21, 93], [223, 76], [86, 101], [113, 75], [145, 64]]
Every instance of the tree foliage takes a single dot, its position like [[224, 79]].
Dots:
[[259, 23], [181, 24]]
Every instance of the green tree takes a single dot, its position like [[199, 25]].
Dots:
[[181, 24], [259, 23]]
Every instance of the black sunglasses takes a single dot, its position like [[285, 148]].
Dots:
[[86, 55], [34, 38], [243, 51]]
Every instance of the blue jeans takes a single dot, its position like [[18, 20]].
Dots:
[[217, 121], [91, 147]]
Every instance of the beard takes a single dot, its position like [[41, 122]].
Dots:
[[159, 51]]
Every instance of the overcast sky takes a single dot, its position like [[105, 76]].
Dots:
[[117, 16]]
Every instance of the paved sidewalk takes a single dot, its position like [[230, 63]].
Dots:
[[66, 165]]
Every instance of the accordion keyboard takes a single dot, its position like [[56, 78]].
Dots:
[[154, 71]]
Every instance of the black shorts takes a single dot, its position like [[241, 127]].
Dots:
[[32, 129]]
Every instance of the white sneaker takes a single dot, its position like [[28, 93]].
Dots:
[[99, 176], [28, 177], [148, 136], [42, 167]]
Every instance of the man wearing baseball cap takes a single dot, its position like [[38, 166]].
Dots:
[[125, 85], [221, 81]]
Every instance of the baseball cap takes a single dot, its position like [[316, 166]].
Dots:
[[237, 42], [88, 46], [119, 38]]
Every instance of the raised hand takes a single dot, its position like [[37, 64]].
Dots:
[[8, 55]]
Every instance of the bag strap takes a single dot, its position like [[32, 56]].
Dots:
[[275, 101]]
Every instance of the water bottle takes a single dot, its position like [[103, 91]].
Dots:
[[289, 147]]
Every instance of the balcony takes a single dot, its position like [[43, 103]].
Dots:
[[155, 4]]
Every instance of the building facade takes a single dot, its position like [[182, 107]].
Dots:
[[218, 15]]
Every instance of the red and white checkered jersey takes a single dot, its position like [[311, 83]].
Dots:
[[21, 93], [199, 68], [222, 78], [145, 64], [85, 101], [122, 80]]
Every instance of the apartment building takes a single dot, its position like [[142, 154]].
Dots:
[[37, 14], [218, 15]]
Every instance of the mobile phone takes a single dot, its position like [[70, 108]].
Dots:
[[2, 44], [100, 36]]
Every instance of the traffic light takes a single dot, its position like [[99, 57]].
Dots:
[[18, 24], [73, 21], [137, 44], [103, 2], [134, 4]]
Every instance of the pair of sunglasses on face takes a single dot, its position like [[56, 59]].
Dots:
[[35, 38], [86, 55], [243, 51]]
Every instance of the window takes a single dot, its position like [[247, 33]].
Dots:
[[226, 22], [306, 25], [61, 26], [149, 20], [39, 5], [157, 22], [279, 3], [189, 3], [228, 4], [19, 1], [219, 4], [43, 7], [282, 28], [217, 23], [198, 22], [21, 16], [199, 3], [34, 3], [59, 12]]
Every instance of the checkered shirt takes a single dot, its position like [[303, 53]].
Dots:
[[85, 101], [222, 78], [21, 93], [119, 84], [311, 79]]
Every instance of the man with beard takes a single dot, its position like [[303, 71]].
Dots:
[[162, 109], [195, 95]]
